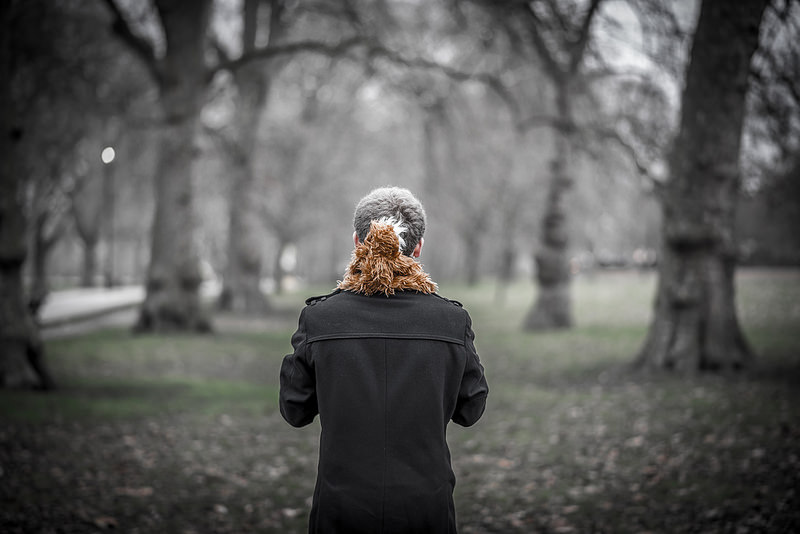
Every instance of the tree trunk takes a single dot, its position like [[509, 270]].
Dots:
[[242, 292], [472, 256], [242, 279], [433, 121], [277, 273], [553, 306], [89, 265], [695, 325], [21, 351], [85, 203], [40, 286], [22, 361], [109, 201], [505, 268], [172, 300]]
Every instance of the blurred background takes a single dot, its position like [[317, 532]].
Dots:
[[449, 99], [606, 182]]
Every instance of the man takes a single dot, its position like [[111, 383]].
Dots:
[[386, 363]]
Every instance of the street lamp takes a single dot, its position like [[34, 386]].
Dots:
[[108, 154], [107, 157]]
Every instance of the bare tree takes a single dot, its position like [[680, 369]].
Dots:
[[182, 74], [559, 34], [21, 352], [695, 325], [242, 276], [172, 300], [86, 206], [772, 128]]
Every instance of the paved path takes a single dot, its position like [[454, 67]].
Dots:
[[70, 307], [75, 305]]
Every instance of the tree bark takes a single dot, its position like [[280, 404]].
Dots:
[[42, 245], [695, 326], [553, 306], [172, 300], [242, 278], [472, 254], [85, 203], [89, 264], [277, 273], [22, 362]]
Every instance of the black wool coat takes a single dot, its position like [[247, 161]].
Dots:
[[385, 375]]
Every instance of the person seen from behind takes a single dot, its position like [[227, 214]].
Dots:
[[386, 363]]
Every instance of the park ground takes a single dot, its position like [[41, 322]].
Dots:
[[182, 434]]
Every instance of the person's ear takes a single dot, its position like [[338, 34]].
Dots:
[[418, 249], [355, 239]]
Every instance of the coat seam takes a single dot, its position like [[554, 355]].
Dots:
[[385, 335], [385, 432]]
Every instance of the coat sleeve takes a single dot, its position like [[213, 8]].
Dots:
[[474, 388], [298, 391]]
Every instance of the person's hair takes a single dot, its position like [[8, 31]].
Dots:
[[391, 202]]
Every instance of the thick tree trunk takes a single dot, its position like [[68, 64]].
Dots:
[[173, 300], [21, 351], [22, 361], [242, 278], [695, 325], [553, 306]]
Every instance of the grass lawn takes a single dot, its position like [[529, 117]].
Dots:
[[182, 434]]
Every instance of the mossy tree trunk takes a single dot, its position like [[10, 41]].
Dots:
[[695, 325]]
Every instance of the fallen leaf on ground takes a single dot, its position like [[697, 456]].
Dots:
[[105, 522]]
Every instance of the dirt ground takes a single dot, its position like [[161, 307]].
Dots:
[[182, 434]]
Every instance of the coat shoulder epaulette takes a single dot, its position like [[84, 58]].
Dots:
[[310, 301], [451, 301]]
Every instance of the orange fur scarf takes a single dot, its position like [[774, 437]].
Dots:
[[377, 266]]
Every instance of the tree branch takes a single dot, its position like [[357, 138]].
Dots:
[[551, 65], [490, 80], [579, 50], [276, 27], [271, 51], [775, 74], [372, 50], [140, 46], [604, 133]]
